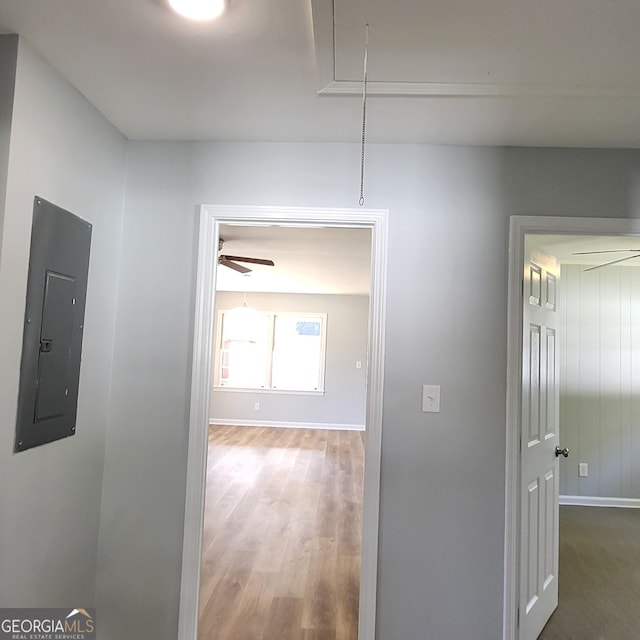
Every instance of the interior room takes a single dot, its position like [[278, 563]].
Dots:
[[283, 505], [453, 130], [597, 366]]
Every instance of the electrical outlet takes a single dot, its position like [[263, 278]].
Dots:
[[583, 469], [256, 406]]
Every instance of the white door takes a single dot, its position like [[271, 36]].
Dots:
[[539, 438]]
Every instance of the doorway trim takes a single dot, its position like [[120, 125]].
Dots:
[[519, 227], [211, 217]]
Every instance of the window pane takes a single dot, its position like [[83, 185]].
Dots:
[[297, 353], [244, 355]]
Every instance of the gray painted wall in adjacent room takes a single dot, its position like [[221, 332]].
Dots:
[[442, 492], [63, 150], [343, 402], [600, 378]]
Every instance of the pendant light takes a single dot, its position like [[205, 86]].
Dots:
[[242, 323]]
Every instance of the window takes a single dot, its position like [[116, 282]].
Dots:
[[272, 351]]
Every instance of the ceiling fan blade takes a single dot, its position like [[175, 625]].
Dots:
[[606, 264], [268, 263], [585, 253], [223, 260]]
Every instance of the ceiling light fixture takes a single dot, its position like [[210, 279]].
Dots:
[[198, 9], [242, 323]]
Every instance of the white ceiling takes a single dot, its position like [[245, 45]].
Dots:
[[568, 249], [505, 72], [319, 260]]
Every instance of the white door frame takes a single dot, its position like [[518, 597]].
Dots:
[[519, 227], [211, 217]]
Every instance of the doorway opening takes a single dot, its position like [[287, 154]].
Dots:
[[544, 228], [211, 220], [283, 504]]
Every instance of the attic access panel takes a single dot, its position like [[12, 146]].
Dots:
[[53, 326], [543, 46]]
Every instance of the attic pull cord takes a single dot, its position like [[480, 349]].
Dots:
[[364, 115]]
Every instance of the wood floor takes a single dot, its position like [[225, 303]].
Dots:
[[281, 551], [599, 586]]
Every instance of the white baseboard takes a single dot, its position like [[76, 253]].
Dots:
[[594, 501], [286, 425]]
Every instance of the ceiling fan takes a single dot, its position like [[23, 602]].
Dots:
[[232, 261], [636, 254]]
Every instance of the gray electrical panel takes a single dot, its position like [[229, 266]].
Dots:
[[53, 326]]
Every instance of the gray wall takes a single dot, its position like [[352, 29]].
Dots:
[[600, 378], [63, 150], [442, 494], [139, 564], [344, 400], [8, 57]]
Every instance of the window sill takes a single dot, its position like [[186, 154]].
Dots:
[[291, 392]]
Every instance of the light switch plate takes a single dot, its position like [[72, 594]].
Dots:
[[431, 398], [583, 469]]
